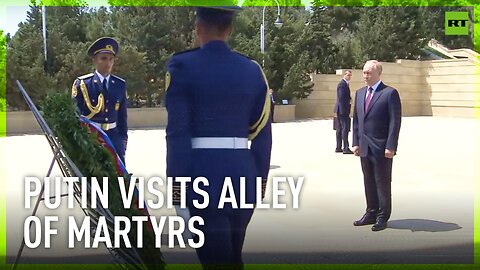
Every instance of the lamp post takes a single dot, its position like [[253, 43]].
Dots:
[[278, 23], [44, 31]]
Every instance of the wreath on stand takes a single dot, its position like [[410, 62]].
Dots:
[[92, 152]]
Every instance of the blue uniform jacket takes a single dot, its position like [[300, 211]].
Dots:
[[213, 91], [104, 106]]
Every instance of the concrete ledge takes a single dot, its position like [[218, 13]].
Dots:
[[284, 113], [465, 112], [23, 122], [426, 88], [147, 117]]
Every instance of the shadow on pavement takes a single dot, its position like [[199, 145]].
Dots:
[[423, 225]]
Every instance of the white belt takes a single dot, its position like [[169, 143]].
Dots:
[[219, 143], [105, 126]]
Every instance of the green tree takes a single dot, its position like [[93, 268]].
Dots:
[[298, 83], [131, 65], [317, 41], [282, 50], [26, 63], [3, 47], [65, 28], [69, 34], [350, 53], [389, 33], [99, 24], [25, 52], [158, 32], [434, 18], [246, 34]]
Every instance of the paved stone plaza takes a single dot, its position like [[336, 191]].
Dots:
[[433, 195]]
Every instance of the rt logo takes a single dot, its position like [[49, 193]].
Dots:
[[456, 23]]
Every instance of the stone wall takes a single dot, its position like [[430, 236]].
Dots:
[[25, 123], [426, 88]]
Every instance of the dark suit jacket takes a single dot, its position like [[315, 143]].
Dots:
[[379, 127], [342, 106]]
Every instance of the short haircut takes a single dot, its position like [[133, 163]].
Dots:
[[376, 65], [215, 19], [347, 70]]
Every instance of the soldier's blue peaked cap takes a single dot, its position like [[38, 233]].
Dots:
[[103, 45]]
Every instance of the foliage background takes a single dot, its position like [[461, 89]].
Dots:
[[316, 40]]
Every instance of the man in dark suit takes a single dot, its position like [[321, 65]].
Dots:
[[376, 125], [272, 105], [342, 109]]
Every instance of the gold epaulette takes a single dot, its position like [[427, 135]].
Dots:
[[74, 89], [93, 109], [168, 78], [263, 119]]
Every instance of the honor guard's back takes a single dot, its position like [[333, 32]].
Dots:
[[226, 90], [215, 92], [217, 100]]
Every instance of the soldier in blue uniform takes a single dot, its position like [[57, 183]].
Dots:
[[217, 101], [101, 96]]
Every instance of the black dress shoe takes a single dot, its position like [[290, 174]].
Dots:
[[338, 150], [380, 225], [367, 219], [347, 151]]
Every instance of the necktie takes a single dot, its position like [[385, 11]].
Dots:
[[369, 98], [105, 85]]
